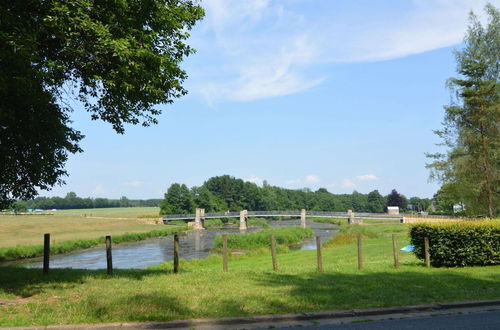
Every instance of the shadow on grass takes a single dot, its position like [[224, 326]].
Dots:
[[250, 293], [26, 282], [323, 291]]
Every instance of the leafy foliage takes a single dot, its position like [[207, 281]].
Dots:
[[396, 199], [222, 193], [471, 166], [72, 201], [471, 243], [261, 238], [178, 200], [118, 58]]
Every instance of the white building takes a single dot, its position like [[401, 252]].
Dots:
[[392, 209]]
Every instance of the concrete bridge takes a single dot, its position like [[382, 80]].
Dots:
[[243, 215]]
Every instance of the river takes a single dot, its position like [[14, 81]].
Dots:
[[196, 244]]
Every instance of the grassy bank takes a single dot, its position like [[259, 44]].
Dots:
[[30, 251], [250, 287], [260, 238], [69, 225]]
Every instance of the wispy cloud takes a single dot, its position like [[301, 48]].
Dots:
[[254, 49], [312, 178], [367, 177], [255, 179], [348, 183], [293, 181], [308, 179]]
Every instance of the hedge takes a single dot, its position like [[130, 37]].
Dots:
[[458, 244]]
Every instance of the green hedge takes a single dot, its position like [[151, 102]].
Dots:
[[458, 244]]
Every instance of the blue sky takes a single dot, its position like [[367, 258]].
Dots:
[[301, 93]]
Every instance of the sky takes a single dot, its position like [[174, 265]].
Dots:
[[342, 94]]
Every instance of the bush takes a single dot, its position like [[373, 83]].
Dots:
[[458, 244], [260, 238]]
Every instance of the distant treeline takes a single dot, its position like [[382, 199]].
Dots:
[[72, 201], [224, 193]]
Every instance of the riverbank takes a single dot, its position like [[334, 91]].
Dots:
[[71, 230], [32, 251], [68, 225], [250, 287]]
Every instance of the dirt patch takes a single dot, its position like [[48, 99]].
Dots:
[[12, 302]]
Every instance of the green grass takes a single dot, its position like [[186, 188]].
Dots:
[[250, 287], [260, 238], [30, 251], [29, 230], [332, 221]]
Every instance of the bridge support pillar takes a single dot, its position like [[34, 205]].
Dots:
[[243, 219], [303, 218], [199, 218], [350, 217]]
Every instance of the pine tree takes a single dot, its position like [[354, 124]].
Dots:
[[470, 167]]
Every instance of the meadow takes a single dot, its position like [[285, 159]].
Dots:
[[67, 225], [21, 236], [202, 289]]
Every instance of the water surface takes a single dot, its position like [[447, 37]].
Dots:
[[195, 244]]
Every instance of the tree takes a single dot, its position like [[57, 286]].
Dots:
[[471, 166], [117, 58], [205, 199], [396, 199], [19, 206], [376, 202], [178, 200], [445, 198]]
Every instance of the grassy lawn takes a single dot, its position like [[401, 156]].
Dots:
[[249, 288], [71, 224]]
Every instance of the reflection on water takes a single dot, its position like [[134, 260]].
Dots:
[[195, 244]]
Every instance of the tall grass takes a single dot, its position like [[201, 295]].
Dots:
[[260, 238], [349, 233], [31, 251], [332, 221]]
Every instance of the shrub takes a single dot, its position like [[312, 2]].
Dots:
[[458, 244], [349, 233], [260, 238], [337, 222]]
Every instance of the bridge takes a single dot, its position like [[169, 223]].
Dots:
[[243, 215]]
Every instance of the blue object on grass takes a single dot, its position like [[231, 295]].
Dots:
[[408, 248]]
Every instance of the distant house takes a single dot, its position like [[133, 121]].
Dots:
[[392, 209]]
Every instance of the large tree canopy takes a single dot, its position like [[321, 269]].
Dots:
[[119, 58], [470, 169]]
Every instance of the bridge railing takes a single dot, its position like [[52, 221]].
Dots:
[[179, 216], [222, 214], [285, 213], [275, 213]]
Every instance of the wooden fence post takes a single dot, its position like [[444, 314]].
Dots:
[[224, 252], [46, 253], [273, 253], [360, 253], [109, 258], [318, 254], [427, 254], [395, 251], [176, 253]]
